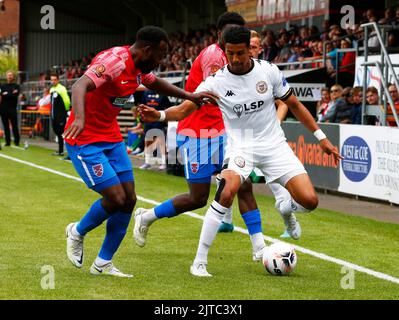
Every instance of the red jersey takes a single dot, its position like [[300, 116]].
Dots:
[[116, 79], [208, 117]]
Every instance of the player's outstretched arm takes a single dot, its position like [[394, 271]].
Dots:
[[304, 116], [79, 90], [165, 88], [175, 113]]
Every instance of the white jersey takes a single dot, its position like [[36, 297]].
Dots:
[[247, 105]]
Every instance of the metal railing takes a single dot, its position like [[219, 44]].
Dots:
[[384, 67]]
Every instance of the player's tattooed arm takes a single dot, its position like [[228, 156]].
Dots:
[[176, 113], [304, 116], [79, 90]]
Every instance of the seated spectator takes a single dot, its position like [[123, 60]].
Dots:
[[372, 98], [393, 91], [270, 50], [389, 17], [357, 105], [338, 102], [344, 111], [324, 104]]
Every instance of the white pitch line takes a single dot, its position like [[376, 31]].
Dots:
[[318, 255]]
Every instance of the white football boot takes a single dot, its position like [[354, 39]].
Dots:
[[74, 246], [199, 270], [258, 255], [140, 230], [108, 270], [293, 226]]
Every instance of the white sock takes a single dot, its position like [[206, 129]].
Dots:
[[75, 232], [149, 217], [147, 157], [279, 192], [101, 262], [228, 217], [210, 226], [284, 202], [258, 242], [163, 159]]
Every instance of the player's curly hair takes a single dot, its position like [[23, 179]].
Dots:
[[151, 35], [236, 35], [229, 18]]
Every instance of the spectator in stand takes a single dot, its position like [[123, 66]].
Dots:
[[389, 17], [270, 50], [372, 98], [344, 111], [324, 104], [393, 91], [346, 70], [9, 93], [296, 54], [338, 102], [357, 105]]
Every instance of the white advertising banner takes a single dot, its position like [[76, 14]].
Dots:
[[371, 164], [373, 77]]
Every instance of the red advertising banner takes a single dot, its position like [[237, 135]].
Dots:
[[277, 11]]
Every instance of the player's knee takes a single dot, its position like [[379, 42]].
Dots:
[[198, 200], [119, 201], [130, 203], [311, 202], [245, 188], [226, 197]]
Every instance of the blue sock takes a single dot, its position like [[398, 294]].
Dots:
[[165, 209], [253, 221], [93, 218], [116, 229]]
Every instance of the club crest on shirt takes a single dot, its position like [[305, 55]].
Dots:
[[214, 69], [238, 109], [99, 70], [239, 161], [261, 87], [98, 170], [194, 167]]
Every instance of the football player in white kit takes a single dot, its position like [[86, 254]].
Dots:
[[246, 90]]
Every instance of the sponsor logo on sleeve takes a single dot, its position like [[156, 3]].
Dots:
[[99, 70]]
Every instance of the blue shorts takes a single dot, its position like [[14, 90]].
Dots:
[[201, 157], [101, 164]]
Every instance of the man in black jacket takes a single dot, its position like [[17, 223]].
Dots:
[[8, 108]]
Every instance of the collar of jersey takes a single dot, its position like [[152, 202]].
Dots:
[[242, 74]]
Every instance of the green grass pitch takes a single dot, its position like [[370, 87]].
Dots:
[[36, 206]]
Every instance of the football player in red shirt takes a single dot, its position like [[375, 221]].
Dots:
[[96, 147]]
